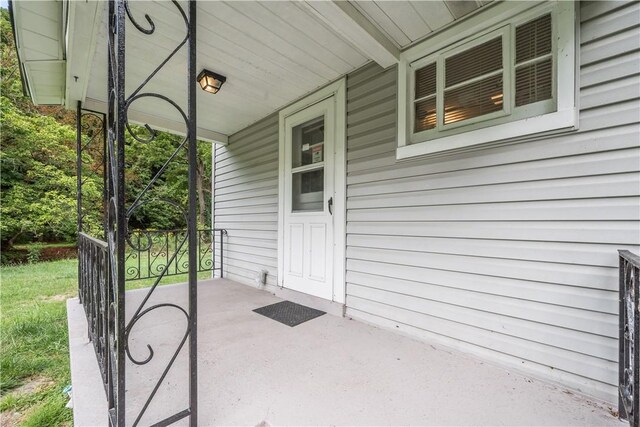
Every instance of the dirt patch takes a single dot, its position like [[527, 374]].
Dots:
[[57, 298], [32, 385], [24, 256], [10, 418], [52, 254]]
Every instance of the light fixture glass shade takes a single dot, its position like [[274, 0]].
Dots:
[[210, 81]]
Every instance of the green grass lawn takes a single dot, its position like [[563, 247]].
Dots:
[[34, 341], [34, 350]]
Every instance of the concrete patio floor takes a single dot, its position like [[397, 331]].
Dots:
[[327, 371]]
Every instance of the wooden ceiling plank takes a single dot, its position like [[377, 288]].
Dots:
[[435, 13], [373, 12], [301, 20], [299, 39], [214, 48], [42, 25], [219, 35], [47, 9], [406, 18], [269, 40], [261, 52]]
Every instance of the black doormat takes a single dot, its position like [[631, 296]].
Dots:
[[289, 313]]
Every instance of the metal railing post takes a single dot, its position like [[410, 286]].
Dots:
[[629, 338], [222, 233], [192, 220]]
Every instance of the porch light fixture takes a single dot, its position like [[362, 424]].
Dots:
[[210, 81]]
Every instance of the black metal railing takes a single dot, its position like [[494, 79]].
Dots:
[[629, 342], [93, 293], [152, 253], [102, 268]]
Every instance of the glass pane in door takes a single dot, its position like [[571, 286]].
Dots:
[[308, 143], [307, 191]]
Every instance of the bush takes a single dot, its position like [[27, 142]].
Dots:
[[33, 254]]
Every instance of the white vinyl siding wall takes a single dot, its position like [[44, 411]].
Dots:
[[246, 201], [510, 252]]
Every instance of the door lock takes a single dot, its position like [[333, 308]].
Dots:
[[330, 204]]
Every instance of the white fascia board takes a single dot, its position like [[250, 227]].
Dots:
[[160, 123], [85, 19], [346, 21]]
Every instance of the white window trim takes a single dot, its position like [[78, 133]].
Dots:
[[565, 118]]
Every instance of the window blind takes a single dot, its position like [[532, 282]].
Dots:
[[475, 62], [534, 66], [425, 94], [476, 75]]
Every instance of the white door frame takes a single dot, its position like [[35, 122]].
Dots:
[[338, 91]]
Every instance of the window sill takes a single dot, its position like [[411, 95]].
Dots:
[[526, 129]]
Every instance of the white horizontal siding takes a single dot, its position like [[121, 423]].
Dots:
[[508, 252], [246, 201]]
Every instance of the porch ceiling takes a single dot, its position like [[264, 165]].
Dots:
[[272, 53]]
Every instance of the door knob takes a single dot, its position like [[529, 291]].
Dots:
[[330, 204]]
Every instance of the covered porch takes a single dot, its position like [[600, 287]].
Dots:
[[419, 245], [330, 370]]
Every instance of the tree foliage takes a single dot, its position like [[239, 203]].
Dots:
[[38, 176], [38, 167], [144, 161]]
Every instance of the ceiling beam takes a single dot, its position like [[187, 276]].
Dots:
[[83, 27], [159, 123], [347, 21]]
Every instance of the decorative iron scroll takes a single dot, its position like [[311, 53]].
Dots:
[[91, 162], [180, 255], [149, 253], [629, 340]]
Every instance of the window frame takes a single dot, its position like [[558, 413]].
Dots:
[[513, 124]]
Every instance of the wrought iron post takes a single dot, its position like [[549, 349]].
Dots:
[[629, 338], [116, 225], [105, 177], [79, 163], [121, 225], [118, 235], [622, 412], [79, 187], [192, 222]]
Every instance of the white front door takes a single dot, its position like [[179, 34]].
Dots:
[[309, 187]]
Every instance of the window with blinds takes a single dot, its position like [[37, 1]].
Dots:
[[503, 76], [473, 82], [488, 78]]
